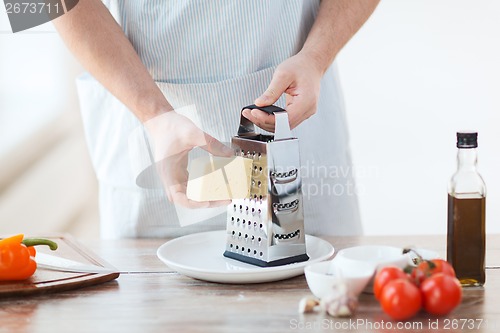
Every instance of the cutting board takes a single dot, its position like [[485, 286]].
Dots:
[[48, 281]]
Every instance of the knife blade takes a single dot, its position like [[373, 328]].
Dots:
[[54, 263]]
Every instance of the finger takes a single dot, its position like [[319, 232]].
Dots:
[[215, 147], [299, 111], [160, 169], [173, 173], [173, 187], [260, 118], [219, 203], [180, 198], [263, 119], [279, 83], [169, 196], [294, 113]]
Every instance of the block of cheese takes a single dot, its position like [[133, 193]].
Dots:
[[219, 178]]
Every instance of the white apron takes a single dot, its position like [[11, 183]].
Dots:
[[218, 55]]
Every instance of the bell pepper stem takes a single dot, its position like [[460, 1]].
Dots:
[[40, 241]]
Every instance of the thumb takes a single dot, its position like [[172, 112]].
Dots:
[[215, 147], [279, 83]]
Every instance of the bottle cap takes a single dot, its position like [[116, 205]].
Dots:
[[466, 139]]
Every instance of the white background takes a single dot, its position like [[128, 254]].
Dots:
[[36, 80], [417, 72]]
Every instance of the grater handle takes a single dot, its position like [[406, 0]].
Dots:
[[282, 127]]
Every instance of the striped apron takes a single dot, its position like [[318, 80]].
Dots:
[[218, 55]]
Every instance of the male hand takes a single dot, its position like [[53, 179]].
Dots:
[[299, 77], [173, 136]]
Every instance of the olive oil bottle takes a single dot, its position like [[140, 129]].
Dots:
[[466, 243]]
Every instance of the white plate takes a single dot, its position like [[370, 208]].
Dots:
[[200, 256]]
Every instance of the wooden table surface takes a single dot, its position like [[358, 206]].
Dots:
[[150, 297]]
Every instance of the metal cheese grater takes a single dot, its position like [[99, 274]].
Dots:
[[267, 228]]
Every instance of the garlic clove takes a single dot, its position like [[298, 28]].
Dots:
[[307, 305], [339, 302]]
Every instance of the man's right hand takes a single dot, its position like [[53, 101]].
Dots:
[[174, 136]]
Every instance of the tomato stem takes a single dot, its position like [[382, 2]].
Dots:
[[416, 260]]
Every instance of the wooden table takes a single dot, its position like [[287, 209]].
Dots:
[[150, 297]]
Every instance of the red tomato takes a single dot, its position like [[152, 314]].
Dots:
[[441, 294], [428, 268], [401, 299], [384, 275]]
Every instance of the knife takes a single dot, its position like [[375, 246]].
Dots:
[[54, 263]]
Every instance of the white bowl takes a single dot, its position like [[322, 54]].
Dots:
[[321, 282], [378, 256], [375, 255]]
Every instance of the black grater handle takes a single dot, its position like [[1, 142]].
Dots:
[[282, 129], [271, 109]]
